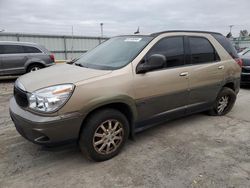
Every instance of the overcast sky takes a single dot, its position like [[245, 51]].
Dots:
[[122, 17]]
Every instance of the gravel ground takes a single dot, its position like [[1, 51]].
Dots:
[[196, 151]]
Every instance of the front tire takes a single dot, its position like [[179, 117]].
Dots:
[[104, 134], [224, 102]]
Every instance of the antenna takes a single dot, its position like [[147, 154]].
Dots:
[[101, 24]]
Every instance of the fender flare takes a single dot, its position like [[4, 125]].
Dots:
[[105, 101], [33, 61]]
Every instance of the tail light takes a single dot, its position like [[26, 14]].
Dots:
[[239, 61], [52, 57]]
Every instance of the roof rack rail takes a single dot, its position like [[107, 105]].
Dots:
[[190, 31]]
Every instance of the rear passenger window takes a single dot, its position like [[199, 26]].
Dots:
[[30, 49], [12, 49], [202, 51], [172, 48], [1, 49]]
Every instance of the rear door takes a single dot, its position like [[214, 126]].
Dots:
[[206, 73], [13, 59], [165, 91], [1, 67]]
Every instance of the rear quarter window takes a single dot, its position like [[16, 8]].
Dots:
[[227, 45], [30, 49]]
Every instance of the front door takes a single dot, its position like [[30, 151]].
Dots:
[[165, 91], [1, 66]]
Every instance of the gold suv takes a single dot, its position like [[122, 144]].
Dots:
[[125, 85]]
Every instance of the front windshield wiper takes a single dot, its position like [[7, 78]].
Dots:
[[80, 65]]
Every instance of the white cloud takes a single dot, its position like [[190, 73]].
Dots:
[[122, 16]]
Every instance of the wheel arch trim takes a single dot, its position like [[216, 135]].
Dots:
[[111, 102]]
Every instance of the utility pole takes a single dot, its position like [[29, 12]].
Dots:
[[101, 24], [72, 41]]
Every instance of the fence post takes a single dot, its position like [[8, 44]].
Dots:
[[65, 48], [17, 37]]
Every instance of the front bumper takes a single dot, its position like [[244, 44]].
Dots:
[[245, 78], [45, 130]]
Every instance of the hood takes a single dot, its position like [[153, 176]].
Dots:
[[58, 74]]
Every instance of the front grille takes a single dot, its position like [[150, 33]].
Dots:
[[246, 69], [21, 97]]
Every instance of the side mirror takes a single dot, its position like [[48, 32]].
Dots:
[[154, 62]]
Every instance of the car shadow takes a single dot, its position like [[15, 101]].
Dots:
[[8, 79], [245, 86], [71, 150], [29, 155]]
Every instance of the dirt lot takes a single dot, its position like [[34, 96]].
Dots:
[[196, 151]]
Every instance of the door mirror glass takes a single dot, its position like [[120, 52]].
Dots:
[[154, 62]]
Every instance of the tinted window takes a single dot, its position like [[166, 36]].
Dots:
[[1, 49], [12, 49], [172, 48], [114, 53], [227, 45], [202, 50], [29, 49]]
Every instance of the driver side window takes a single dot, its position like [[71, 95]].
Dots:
[[172, 48]]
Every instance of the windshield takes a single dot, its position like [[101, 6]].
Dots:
[[114, 53], [243, 52]]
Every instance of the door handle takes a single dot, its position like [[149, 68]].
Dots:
[[221, 67], [184, 74]]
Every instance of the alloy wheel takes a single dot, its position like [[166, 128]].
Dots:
[[34, 69], [108, 136], [222, 104]]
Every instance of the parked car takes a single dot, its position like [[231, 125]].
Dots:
[[23, 57], [244, 52], [245, 74], [125, 85]]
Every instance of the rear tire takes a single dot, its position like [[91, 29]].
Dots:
[[104, 134], [34, 67], [224, 102]]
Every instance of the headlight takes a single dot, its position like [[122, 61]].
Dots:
[[51, 98]]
